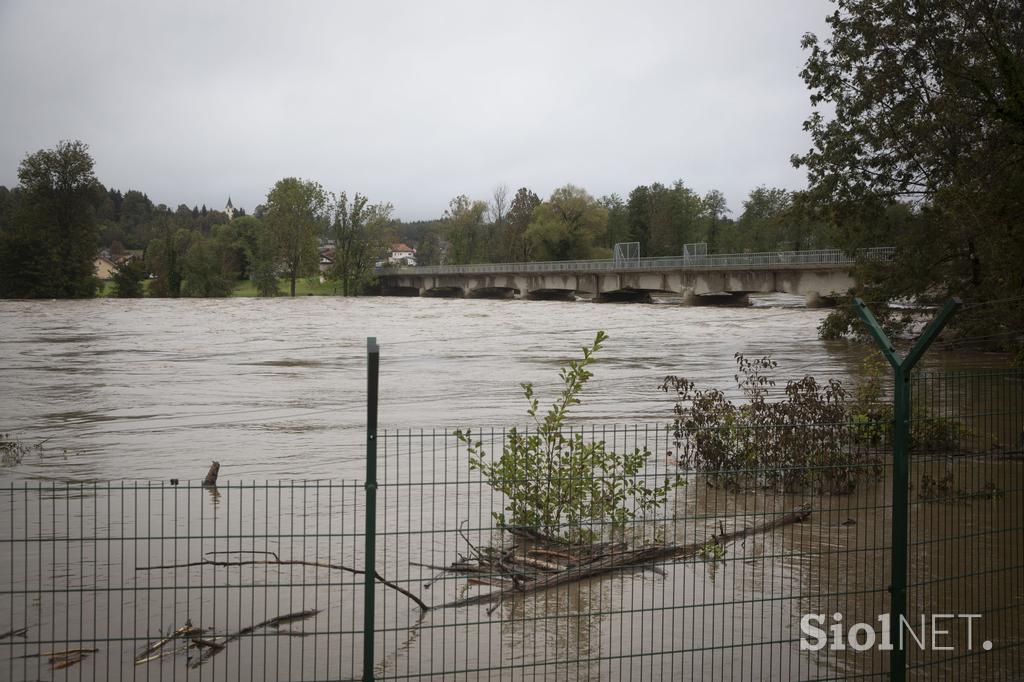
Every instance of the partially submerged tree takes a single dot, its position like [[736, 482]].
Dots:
[[556, 483]]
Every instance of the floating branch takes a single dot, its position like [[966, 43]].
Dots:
[[59, 660], [275, 560], [17, 632], [154, 650], [214, 648]]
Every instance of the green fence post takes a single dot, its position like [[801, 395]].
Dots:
[[373, 362], [901, 465]]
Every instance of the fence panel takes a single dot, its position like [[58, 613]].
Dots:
[[252, 580], [967, 524], [115, 581], [732, 613]]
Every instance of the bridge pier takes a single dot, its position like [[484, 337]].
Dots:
[[492, 292], [443, 292], [551, 295], [400, 291], [724, 298], [623, 296], [816, 300]]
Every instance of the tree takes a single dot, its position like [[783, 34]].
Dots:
[[264, 272], [638, 207], [618, 220], [564, 226], [165, 256], [463, 228], [431, 248], [555, 483], [762, 225], [48, 248], [296, 212], [500, 242], [206, 268], [928, 102], [128, 278], [359, 231], [714, 208], [520, 215]]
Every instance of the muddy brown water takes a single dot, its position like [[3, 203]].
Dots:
[[129, 391]]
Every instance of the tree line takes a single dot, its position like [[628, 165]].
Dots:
[[573, 224], [59, 217], [56, 220]]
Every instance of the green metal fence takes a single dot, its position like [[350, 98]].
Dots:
[[267, 580]]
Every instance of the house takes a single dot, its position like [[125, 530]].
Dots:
[[104, 265], [401, 254], [326, 258]]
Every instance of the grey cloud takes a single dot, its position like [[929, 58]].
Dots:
[[411, 103]]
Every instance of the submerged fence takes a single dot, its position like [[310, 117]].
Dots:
[[265, 580]]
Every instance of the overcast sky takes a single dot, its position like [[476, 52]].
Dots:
[[410, 102]]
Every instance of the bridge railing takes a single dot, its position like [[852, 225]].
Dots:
[[767, 259]]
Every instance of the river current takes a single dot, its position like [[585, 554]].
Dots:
[[151, 389]]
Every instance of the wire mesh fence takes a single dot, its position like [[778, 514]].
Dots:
[[264, 580]]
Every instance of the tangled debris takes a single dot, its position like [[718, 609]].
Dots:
[[540, 565]]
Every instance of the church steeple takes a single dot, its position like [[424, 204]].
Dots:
[[230, 209]]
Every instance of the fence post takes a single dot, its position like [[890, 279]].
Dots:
[[901, 466], [370, 568]]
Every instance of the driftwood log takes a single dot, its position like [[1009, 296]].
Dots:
[[615, 560], [211, 476]]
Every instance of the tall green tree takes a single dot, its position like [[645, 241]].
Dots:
[[207, 267], [618, 221], [128, 279], [714, 208], [296, 211], [47, 250], [517, 220], [463, 227], [431, 248], [664, 218], [165, 258], [763, 224], [360, 235], [922, 103], [565, 226]]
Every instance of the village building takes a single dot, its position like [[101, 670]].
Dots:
[[402, 254]]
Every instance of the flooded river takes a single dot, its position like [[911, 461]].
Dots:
[[152, 390]]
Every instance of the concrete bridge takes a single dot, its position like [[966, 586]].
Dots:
[[707, 279]]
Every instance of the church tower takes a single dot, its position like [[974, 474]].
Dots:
[[230, 210]]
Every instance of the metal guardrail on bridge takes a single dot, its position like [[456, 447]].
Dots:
[[764, 260]]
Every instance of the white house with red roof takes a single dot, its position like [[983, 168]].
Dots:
[[402, 254]]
